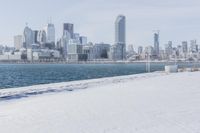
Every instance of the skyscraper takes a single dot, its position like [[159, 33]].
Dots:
[[193, 46], [76, 38], [120, 36], [28, 37], [184, 47], [156, 44], [35, 32], [41, 37], [168, 48], [64, 43], [18, 42], [69, 28], [50, 33], [120, 29]]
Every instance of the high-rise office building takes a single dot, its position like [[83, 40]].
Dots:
[[184, 47], [64, 43], [28, 37], [69, 28], [168, 48], [18, 42], [193, 46], [35, 34], [120, 37], [76, 38], [120, 29], [50, 33], [156, 44], [41, 37]]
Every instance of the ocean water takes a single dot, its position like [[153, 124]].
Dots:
[[19, 75]]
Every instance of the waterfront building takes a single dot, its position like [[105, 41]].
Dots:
[[42, 54], [18, 42], [101, 50], [75, 53], [98, 51], [10, 57], [88, 49], [116, 52]]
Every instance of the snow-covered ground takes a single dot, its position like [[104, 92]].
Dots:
[[143, 103]]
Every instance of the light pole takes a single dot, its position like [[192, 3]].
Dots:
[[148, 65]]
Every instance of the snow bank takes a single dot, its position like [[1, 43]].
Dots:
[[145, 103], [23, 92]]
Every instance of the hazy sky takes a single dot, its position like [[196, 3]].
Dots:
[[176, 19]]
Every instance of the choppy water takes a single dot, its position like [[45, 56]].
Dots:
[[18, 75]]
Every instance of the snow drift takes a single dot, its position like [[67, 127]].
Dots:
[[144, 103]]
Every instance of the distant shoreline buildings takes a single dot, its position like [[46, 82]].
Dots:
[[41, 45]]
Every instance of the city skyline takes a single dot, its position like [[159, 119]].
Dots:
[[40, 45], [177, 20]]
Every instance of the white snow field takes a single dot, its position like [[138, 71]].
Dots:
[[143, 103]]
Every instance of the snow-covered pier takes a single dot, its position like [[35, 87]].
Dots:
[[143, 103]]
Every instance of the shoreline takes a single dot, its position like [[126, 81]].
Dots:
[[27, 91], [98, 62], [137, 68]]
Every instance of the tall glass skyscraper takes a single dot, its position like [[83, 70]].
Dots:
[[120, 29], [41, 37], [69, 28], [50, 33], [28, 37], [156, 44], [120, 37]]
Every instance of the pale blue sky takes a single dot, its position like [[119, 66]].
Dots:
[[177, 19]]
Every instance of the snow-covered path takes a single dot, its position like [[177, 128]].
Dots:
[[150, 103]]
